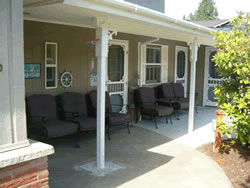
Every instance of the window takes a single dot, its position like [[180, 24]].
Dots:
[[181, 64], [153, 64], [50, 65], [115, 63], [212, 69]]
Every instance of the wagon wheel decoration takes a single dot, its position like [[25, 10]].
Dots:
[[66, 79]]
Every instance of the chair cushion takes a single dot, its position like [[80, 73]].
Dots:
[[146, 96], [116, 118], [157, 110], [85, 123], [92, 103], [53, 128], [184, 103], [71, 102], [166, 90], [178, 90], [39, 106]]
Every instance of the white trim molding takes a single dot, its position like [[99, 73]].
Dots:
[[46, 65], [124, 81], [185, 50], [142, 48]]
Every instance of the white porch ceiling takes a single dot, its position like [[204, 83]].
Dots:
[[84, 13]]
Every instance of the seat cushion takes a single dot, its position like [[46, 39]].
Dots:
[[157, 110], [85, 123], [53, 128], [116, 118], [184, 103]]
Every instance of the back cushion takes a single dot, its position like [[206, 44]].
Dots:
[[146, 96], [73, 102], [178, 89], [92, 95], [167, 90], [39, 106]]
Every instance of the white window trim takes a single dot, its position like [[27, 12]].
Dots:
[[50, 65], [145, 67]]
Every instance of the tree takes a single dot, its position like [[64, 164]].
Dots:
[[205, 11], [232, 62]]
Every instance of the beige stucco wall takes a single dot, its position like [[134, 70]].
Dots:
[[74, 55]]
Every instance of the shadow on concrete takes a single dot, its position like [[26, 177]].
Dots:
[[129, 151]]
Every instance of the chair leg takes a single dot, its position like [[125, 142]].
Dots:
[[176, 115], [128, 128], [108, 134], [196, 109], [77, 140], [156, 123], [167, 119], [170, 117]]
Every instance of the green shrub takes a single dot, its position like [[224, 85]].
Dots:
[[233, 63]]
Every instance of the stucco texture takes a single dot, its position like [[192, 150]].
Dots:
[[74, 55]]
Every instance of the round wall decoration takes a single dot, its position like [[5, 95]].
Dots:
[[66, 79]]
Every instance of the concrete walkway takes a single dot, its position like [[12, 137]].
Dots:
[[203, 127], [147, 160]]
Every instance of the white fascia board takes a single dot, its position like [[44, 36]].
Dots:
[[157, 15], [124, 9]]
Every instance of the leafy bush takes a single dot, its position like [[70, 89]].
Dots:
[[232, 62]]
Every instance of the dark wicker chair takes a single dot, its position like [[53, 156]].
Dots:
[[166, 97], [179, 94], [73, 108], [148, 105], [112, 118], [43, 120]]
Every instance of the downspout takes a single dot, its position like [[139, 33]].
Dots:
[[139, 56]]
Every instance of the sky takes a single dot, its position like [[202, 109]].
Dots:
[[226, 8]]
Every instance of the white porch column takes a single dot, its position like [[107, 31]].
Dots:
[[193, 58], [12, 107], [101, 54]]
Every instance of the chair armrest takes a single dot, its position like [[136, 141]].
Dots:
[[43, 118], [73, 114], [128, 106], [148, 103]]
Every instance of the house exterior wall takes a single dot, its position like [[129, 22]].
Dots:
[[75, 56], [158, 5]]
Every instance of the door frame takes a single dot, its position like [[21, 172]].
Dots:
[[125, 45], [185, 49], [208, 50]]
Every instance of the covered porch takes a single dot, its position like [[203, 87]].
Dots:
[[82, 34], [78, 35]]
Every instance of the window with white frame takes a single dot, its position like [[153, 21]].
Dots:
[[153, 64], [50, 65]]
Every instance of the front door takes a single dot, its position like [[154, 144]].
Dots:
[[181, 60], [212, 78], [117, 74]]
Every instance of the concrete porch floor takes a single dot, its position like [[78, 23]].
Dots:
[[178, 131], [147, 159]]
